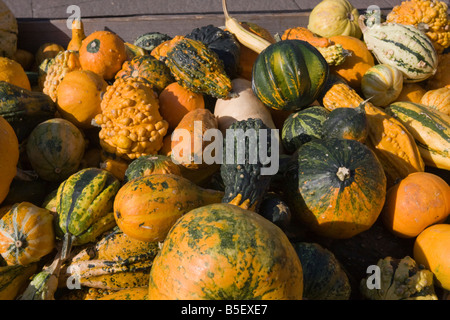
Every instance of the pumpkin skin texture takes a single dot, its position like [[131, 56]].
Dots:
[[26, 234], [323, 275], [438, 99], [103, 52], [337, 187], [79, 97], [9, 149], [356, 63], [411, 92], [418, 201], [55, 149], [223, 252], [146, 208], [13, 72], [431, 250], [334, 17], [289, 75]]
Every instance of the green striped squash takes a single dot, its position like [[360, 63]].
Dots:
[[13, 278], [430, 129], [289, 75], [402, 46], [303, 126], [84, 206]]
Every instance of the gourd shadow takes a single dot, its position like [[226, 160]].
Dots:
[[44, 30]]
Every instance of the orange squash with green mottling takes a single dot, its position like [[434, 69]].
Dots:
[[223, 252], [146, 208]]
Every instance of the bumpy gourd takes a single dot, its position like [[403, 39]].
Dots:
[[429, 15], [131, 125], [63, 63], [198, 68]]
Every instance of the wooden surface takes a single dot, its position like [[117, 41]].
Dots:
[[43, 21]]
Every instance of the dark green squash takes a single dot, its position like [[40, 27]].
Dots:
[[303, 126], [289, 75], [222, 42], [84, 207], [150, 40], [24, 109], [347, 123], [245, 184], [323, 275], [336, 187]]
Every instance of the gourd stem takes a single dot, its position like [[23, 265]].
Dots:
[[343, 173], [225, 10], [66, 246]]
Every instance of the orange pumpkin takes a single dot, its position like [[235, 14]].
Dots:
[[47, 50], [146, 208], [9, 151], [356, 64], [79, 97], [103, 52], [175, 101], [26, 234], [223, 252], [432, 250], [418, 201]]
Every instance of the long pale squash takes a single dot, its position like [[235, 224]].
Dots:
[[430, 128]]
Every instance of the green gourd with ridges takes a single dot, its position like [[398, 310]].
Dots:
[[430, 129], [222, 42], [404, 47], [24, 109], [323, 275], [289, 75], [198, 68], [303, 126], [13, 278], [148, 69], [242, 172], [84, 206], [335, 187]]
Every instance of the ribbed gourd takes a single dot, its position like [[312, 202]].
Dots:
[[116, 261], [404, 47], [430, 129], [131, 125], [243, 171], [198, 68], [63, 63], [84, 207]]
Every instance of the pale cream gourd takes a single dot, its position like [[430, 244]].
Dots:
[[243, 105]]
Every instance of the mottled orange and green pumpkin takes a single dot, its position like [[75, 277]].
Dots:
[[146, 208], [337, 187], [223, 252], [26, 234]]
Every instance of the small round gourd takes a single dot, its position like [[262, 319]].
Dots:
[[382, 84], [347, 123], [55, 149]]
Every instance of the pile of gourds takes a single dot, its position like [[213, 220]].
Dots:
[[101, 199]]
